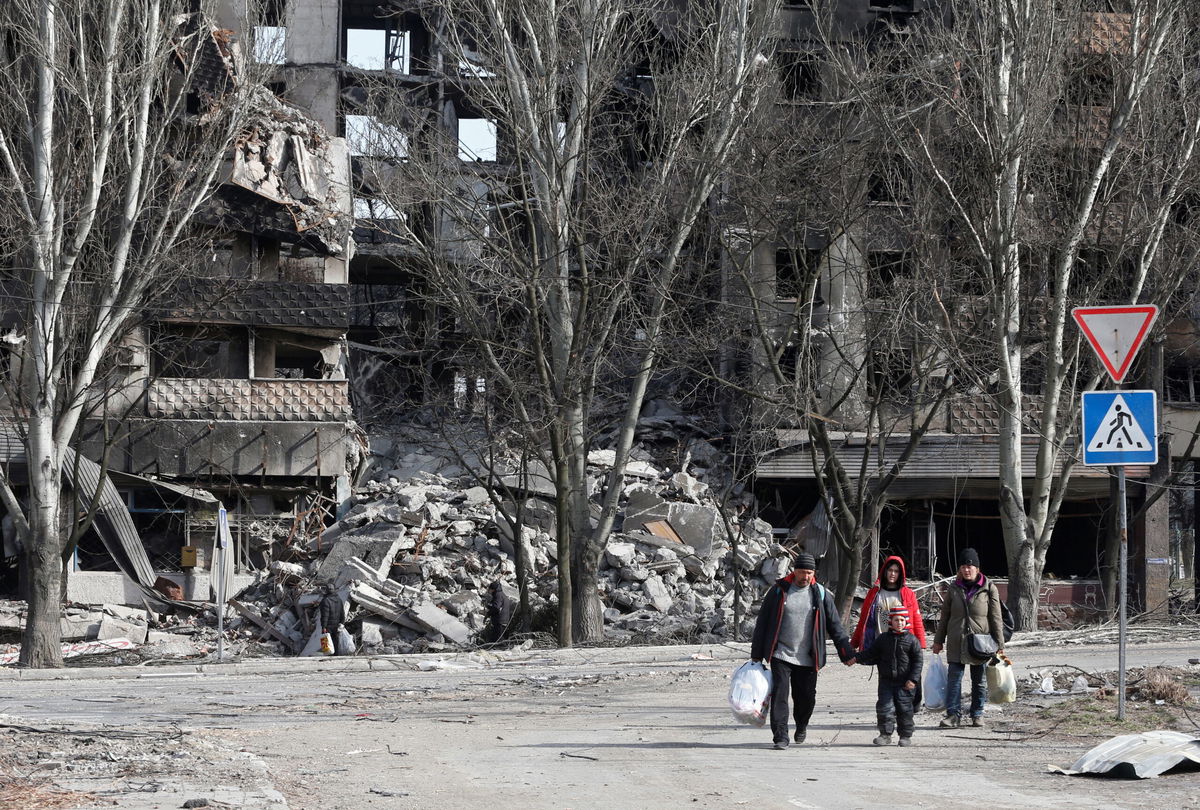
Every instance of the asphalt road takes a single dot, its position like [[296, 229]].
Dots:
[[610, 728]]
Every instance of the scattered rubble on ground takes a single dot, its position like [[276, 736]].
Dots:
[[417, 558]]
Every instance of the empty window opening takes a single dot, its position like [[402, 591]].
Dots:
[[270, 44], [200, 352], [888, 183], [1090, 83], [476, 139], [297, 363], [469, 392], [799, 75], [372, 208], [1182, 383], [795, 271], [888, 268], [379, 49], [367, 136]]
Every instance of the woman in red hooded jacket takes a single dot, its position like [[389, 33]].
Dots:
[[888, 591]]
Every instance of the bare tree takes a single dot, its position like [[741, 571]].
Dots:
[[1056, 137], [115, 119], [561, 261]]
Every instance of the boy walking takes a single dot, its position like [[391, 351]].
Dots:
[[897, 654]]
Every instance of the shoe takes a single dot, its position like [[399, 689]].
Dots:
[[882, 739], [905, 742], [950, 721], [781, 745], [977, 722], [801, 735]]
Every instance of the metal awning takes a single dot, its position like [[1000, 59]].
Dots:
[[941, 464], [195, 493]]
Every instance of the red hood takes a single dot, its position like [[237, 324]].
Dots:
[[903, 572], [790, 579]]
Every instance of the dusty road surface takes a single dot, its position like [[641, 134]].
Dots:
[[611, 728]]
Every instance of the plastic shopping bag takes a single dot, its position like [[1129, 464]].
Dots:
[[750, 692], [935, 682], [1001, 682], [345, 643], [326, 643]]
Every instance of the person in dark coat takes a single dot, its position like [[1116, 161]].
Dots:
[[332, 614], [897, 654], [500, 611], [795, 617], [971, 605]]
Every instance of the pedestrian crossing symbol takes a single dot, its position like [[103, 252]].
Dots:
[[1120, 427]]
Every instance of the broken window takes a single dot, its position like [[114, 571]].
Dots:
[[374, 208], [379, 49], [889, 374], [795, 271], [888, 268], [367, 136], [1090, 82], [888, 182], [270, 44], [476, 139], [1182, 382], [799, 75], [297, 363], [200, 352], [469, 392]]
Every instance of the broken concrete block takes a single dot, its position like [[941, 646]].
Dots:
[[619, 555], [774, 568], [75, 627], [112, 627], [377, 549], [634, 573], [437, 620], [537, 480], [691, 488], [462, 603], [371, 634], [461, 527], [475, 496], [657, 592]]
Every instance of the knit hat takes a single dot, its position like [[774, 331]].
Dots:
[[805, 561], [968, 556], [898, 610]]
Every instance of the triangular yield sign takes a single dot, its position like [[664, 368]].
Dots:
[[1119, 431], [1116, 333]]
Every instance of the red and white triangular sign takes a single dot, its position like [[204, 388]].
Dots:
[[1116, 333]]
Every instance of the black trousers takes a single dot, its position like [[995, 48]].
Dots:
[[894, 709], [802, 682]]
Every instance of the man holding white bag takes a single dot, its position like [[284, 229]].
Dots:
[[796, 616]]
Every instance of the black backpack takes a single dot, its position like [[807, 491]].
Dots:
[[1006, 616]]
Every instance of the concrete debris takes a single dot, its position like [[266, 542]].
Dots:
[[424, 549]]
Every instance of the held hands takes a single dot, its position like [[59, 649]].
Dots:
[[909, 685], [936, 648]]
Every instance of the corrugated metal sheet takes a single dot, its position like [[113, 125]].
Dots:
[[1138, 756]]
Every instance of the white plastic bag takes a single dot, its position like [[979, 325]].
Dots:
[[750, 692], [935, 682], [345, 643], [1001, 682], [326, 643]]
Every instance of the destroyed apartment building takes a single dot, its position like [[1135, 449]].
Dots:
[[233, 389], [254, 386]]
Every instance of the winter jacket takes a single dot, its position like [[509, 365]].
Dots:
[[824, 616], [982, 611], [864, 633], [898, 656], [331, 611]]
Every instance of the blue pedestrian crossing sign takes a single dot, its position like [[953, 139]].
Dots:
[[1120, 427]]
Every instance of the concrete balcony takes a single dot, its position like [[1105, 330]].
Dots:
[[249, 400], [281, 304]]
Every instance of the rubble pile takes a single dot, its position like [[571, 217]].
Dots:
[[419, 557]]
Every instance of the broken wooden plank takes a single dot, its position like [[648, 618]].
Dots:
[[267, 627]]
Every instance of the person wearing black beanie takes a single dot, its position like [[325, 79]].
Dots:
[[970, 608], [795, 617]]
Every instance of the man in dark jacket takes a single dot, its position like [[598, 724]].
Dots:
[[897, 654], [332, 613], [795, 617]]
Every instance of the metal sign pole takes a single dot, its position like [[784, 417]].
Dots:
[[1122, 587]]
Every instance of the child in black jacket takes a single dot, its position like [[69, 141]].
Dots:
[[898, 656]]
